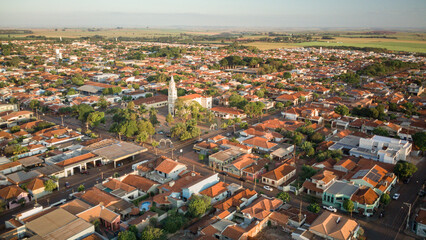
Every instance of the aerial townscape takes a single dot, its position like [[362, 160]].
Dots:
[[201, 129]]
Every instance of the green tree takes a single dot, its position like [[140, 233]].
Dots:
[[342, 110], [96, 223], [314, 207], [173, 222], [127, 235], [83, 111], [81, 188], [284, 196], [152, 233], [419, 139], [307, 172], [298, 138], [198, 205], [15, 129], [279, 105], [385, 199], [286, 75], [317, 137], [153, 116], [103, 104], [77, 80], [131, 106], [34, 104], [404, 169], [348, 205], [380, 131], [94, 118], [49, 185], [169, 119]]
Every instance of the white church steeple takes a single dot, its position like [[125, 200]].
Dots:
[[172, 96]]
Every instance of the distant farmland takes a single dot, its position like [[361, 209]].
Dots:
[[395, 41]]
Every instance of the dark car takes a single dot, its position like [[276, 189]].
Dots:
[[421, 193], [382, 214], [67, 184], [85, 172], [224, 173]]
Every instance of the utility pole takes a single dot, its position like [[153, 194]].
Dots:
[[408, 216], [62, 120]]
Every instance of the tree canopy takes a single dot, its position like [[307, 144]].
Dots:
[[404, 169], [198, 205]]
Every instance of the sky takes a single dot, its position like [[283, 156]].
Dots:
[[385, 14]]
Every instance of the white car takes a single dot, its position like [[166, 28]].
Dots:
[[396, 196], [268, 188], [330, 208]]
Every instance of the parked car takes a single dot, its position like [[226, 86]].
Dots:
[[382, 214], [224, 173], [330, 208], [198, 140], [421, 193], [396, 196], [84, 172], [268, 188], [67, 184]]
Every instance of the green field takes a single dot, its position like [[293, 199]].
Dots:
[[390, 44], [109, 33], [400, 41]]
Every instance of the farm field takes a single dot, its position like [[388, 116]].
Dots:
[[390, 44], [109, 33], [396, 41]]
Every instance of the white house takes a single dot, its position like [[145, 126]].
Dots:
[[170, 169], [383, 149]]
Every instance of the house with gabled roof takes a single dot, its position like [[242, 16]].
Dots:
[[260, 144], [319, 182], [217, 192], [279, 176], [333, 226], [13, 196]]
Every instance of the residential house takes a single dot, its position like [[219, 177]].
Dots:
[[119, 189], [334, 227], [217, 192], [144, 185], [108, 218], [419, 225], [260, 144], [220, 159], [14, 196], [241, 163], [170, 169], [279, 176], [319, 182]]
